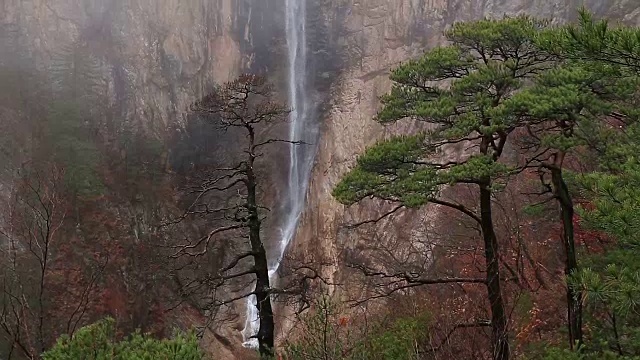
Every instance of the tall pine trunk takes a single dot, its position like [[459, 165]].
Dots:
[[574, 303], [499, 329]]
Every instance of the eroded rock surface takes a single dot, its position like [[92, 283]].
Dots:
[[159, 55], [378, 35]]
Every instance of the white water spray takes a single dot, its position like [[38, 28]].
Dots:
[[301, 128]]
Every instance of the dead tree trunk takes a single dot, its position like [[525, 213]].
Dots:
[[229, 198], [261, 264]]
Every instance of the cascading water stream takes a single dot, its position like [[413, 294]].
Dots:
[[301, 128]]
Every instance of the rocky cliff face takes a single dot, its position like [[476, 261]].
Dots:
[[376, 36], [157, 56], [153, 58]]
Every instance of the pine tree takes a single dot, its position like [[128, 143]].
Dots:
[[562, 106], [596, 41], [603, 106], [464, 92]]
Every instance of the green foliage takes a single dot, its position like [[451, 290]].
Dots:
[[97, 342], [566, 354], [563, 86], [600, 80], [72, 118], [68, 140], [596, 41], [401, 340], [391, 170], [322, 336], [535, 210], [327, 336], [611, 280], [76, 74], [464, 91], [55, 120], [565, 103]]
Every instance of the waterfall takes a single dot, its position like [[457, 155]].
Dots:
[[301, 128]]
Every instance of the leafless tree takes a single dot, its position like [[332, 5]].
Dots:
[[31, 235], [229, 196]]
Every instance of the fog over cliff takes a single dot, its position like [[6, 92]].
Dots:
[[154, 58]]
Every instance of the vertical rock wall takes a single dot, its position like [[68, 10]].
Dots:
[[157, 56], [377, 35], [154, 58]]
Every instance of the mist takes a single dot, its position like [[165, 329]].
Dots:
[[100, 149], [319, 179]]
